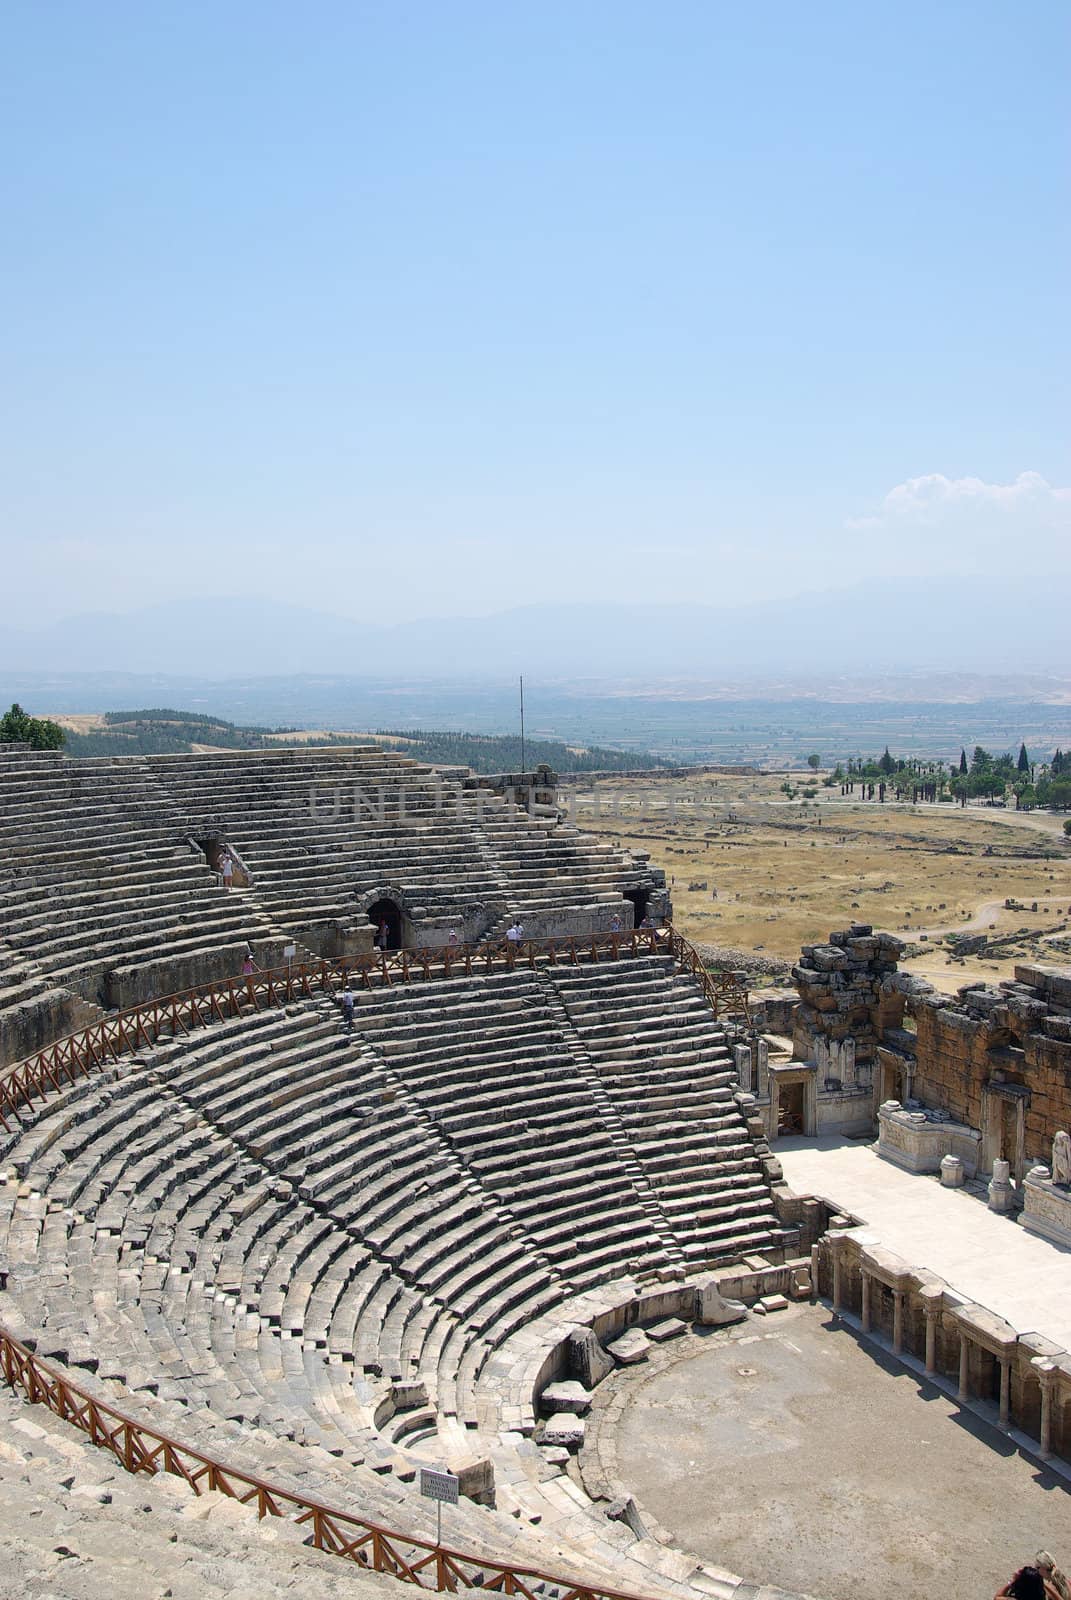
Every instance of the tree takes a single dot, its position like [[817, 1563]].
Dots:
[[963, 763], [887, 764], [814, 761], [1024, 760], [1055, 793], [18, 727]]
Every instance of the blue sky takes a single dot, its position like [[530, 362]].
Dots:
[[410, 309]]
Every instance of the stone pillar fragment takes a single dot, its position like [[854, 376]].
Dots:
[[1001, 1191], [742, 1061], [762, 1066], [1005, 1391], [1046, 1371], [931, 1297]]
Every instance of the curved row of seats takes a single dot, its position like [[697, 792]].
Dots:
[[249, 1235], [187, 1283], [314, 826], [668, 1074], [97, 874]]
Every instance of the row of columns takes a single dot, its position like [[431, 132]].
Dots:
[[932, 1298]]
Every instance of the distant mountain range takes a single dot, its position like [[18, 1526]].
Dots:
[[968, 625]]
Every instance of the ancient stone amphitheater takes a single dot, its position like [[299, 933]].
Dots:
[[289, 1261]]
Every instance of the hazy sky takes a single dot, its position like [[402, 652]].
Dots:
[[401, 309]]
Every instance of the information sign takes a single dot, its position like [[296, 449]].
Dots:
[[440, 1486]]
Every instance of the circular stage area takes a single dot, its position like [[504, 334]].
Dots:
[[787, 1452]]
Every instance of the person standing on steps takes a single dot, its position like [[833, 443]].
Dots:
[[346, 1002], [383, 936], [226, 868], [514, 933], [452, 939], [249, 966]]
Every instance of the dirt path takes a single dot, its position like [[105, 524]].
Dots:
[[987, 912]]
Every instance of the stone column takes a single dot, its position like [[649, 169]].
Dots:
[[742, 1060], [847, 1063], [1046, 1371], [864, 1277], [838, 1274], [964, 1367], [1005, 1390], [1001, 1193], [931, 1298], [762, 1065], [898, 1321]]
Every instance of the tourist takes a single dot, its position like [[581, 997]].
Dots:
[[346, 1002], [1027, 1584], [1056, 1584], [515, 933], [615, 926], [249, 966], [382, 936], [226, 868], [452, 939]]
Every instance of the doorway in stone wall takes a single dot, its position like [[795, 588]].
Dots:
[[639, 898], [386, 911], [790, 1108]]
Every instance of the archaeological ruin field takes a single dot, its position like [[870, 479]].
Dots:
[[751, 870]]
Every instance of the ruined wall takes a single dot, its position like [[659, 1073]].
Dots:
[[843, 995], [999, 1055]]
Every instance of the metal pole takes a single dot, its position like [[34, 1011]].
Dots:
[[522, 725]]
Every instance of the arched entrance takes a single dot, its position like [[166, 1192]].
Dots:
[[387, 911], [640, 899]]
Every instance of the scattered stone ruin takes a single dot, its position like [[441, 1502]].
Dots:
[[984, 1075]]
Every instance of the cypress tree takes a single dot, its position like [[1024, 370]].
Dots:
[[1024, 759], [963, 763]]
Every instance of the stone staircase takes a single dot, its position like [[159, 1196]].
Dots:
[[667, 1072]]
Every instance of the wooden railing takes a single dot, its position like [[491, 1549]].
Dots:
[[123, 1032], [726, 993], [141, 1449]]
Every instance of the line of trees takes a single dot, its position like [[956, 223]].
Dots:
[[984, 776]]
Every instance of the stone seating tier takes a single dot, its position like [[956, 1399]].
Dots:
[[97, 876], [280, 1218], [454, 853]]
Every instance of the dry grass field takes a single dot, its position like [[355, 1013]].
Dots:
[[752, 870]]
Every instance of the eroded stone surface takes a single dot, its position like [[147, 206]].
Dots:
[[565, 1429], [566, 1395], [631, 1348]]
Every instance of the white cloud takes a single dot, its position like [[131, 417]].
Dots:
[[935, 498]]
